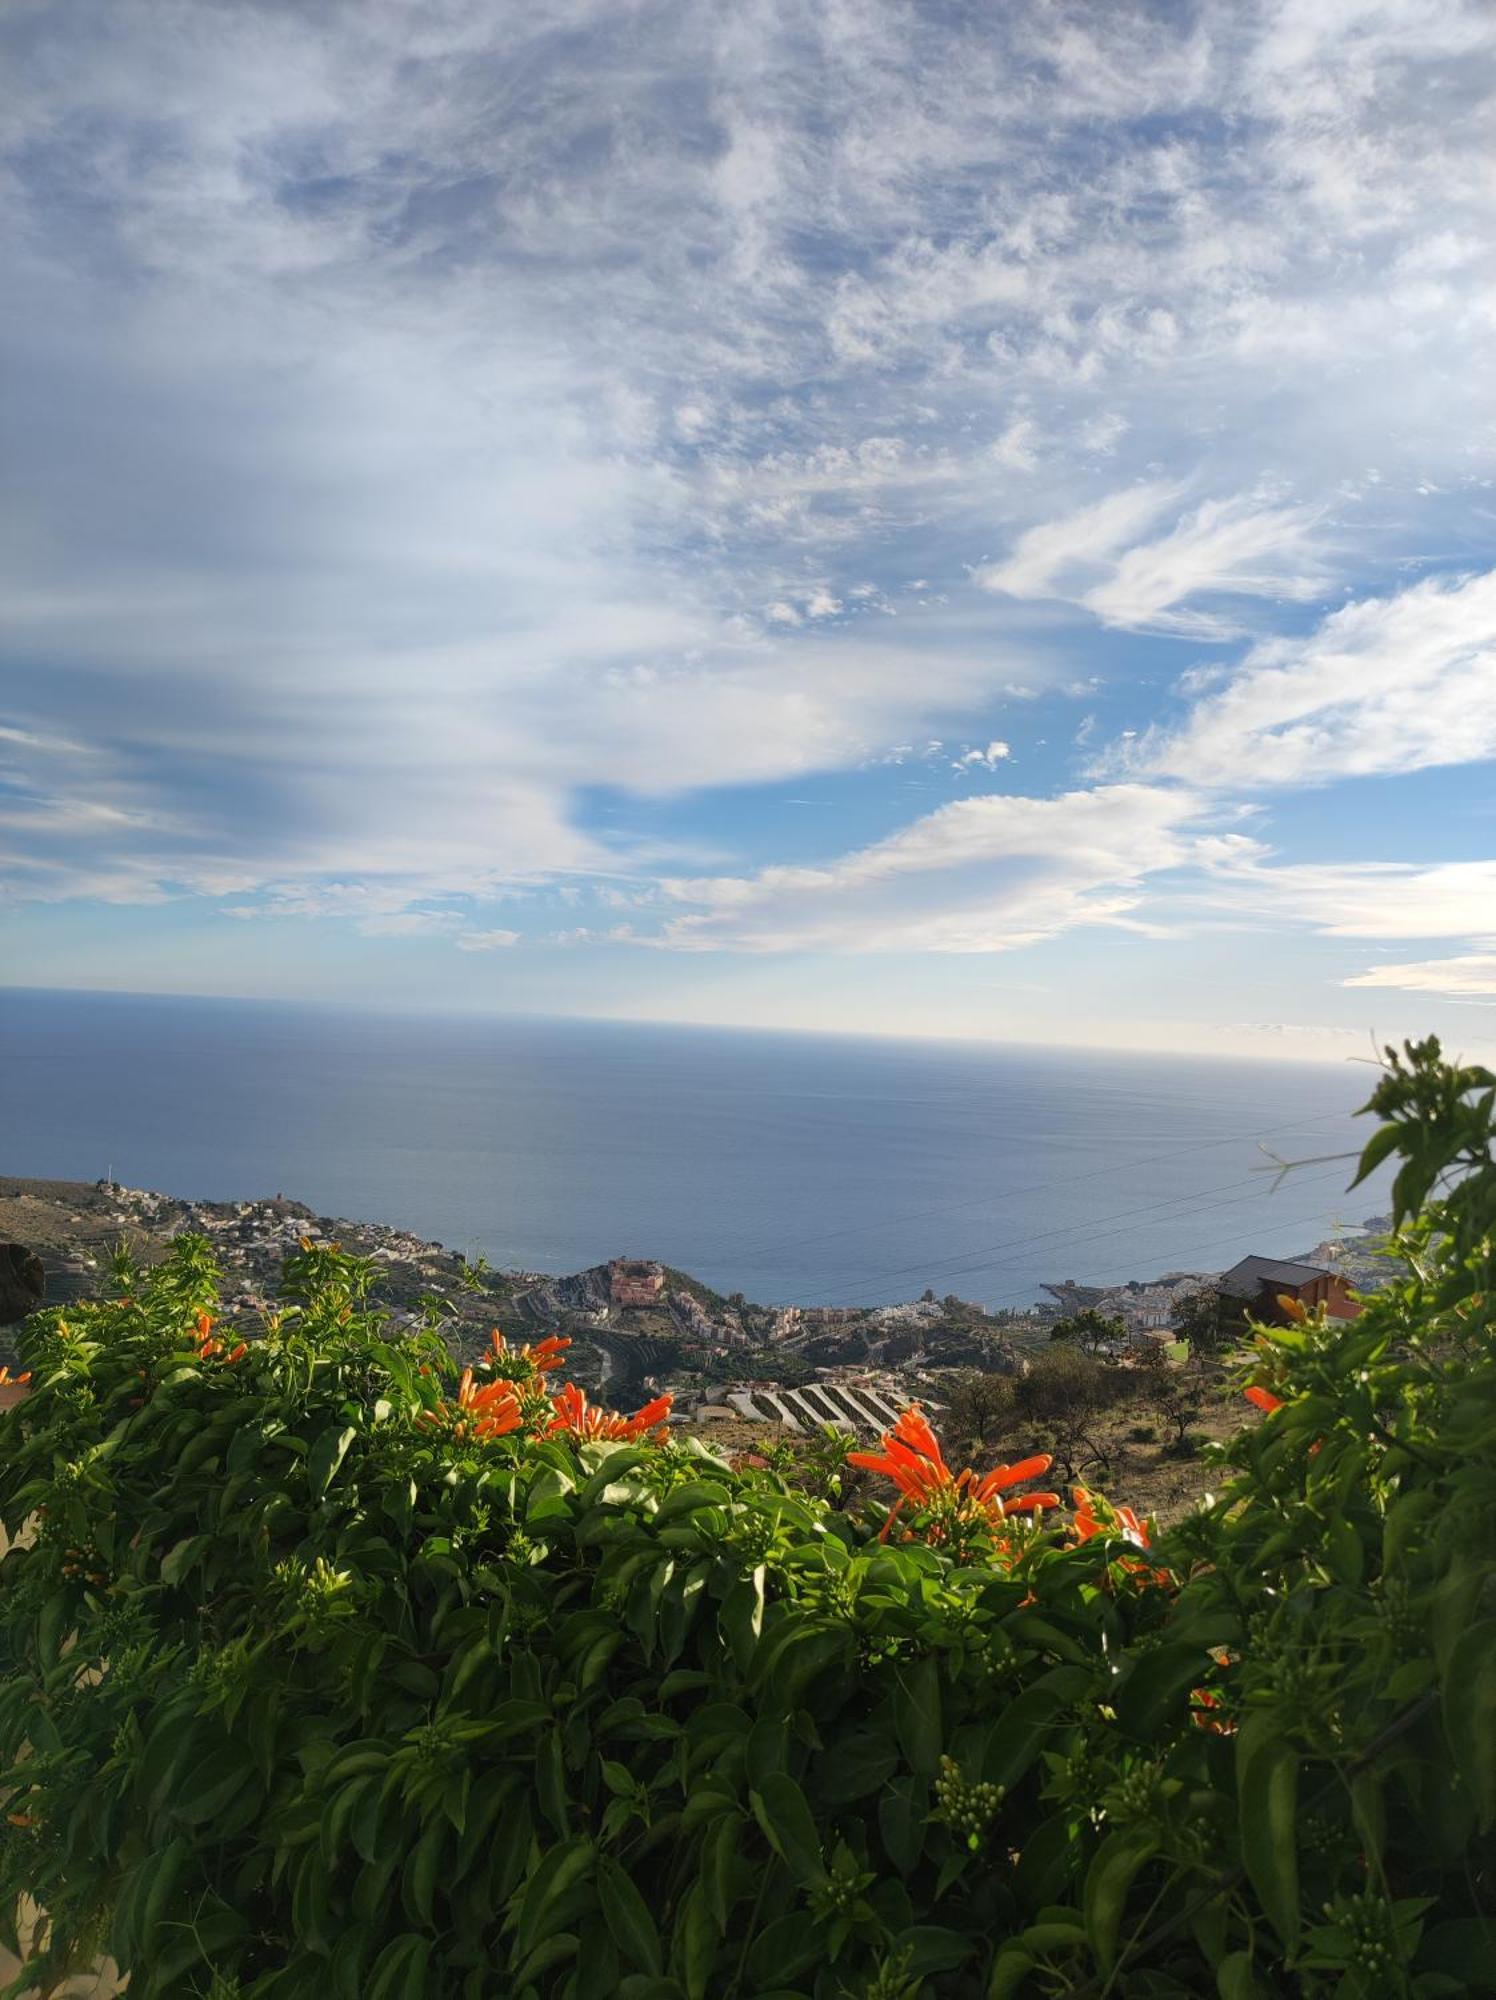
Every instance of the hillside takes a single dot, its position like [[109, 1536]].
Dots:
[[744, 1377]]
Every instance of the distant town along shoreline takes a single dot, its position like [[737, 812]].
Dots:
[[637, 1325]]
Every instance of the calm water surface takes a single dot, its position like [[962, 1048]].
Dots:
[[793, 1168]]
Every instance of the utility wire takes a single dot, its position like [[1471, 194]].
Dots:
[[978, 1260], [1043, 1187], [1192, 1250], [966, 1259]]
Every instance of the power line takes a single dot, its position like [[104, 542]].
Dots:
[[1192, 1250], [980, 1255], [1043, 1187]]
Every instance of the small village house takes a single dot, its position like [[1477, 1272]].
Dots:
[[1255, 1285]]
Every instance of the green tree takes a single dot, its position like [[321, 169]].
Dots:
[[1203, 1321], [1091, 1331]]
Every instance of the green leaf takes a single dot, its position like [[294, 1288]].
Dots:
[[565, 1863], [1469, 1708], [1156, 1683], [550, 1781], [400, 1971], [180, 1558], [1110, 1876], [422, 1869], [742, 1618], [696, 1942], [789, 1827], [719, 1858], [626, 1913], [555, 1950], [337, 1813], [1010, 1971], [1029, 1720], [1465, 1949], [932, 1948], [784, 1948], [1234, 1980], [1050, 1854], [916, 1709], [209, 1787], [1267, 1786], [324, 1458], [147, 1890], [214, 1928], [1383, 1141], [902, 1812], [855, 1767]]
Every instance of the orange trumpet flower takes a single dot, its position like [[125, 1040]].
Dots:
[[1264, 1399], [1113, 1520], [911, 1457], [490, 1412], [527, 1362], [577, 1418]]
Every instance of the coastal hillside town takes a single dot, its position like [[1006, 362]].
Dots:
[[638, 1327]]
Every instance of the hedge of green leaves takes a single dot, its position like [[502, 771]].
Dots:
[[318, 1676]]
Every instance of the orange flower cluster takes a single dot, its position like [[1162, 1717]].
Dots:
[[527, 1363], [9, 1381], [576, 1417], [491, 1411], [1097, 1516], [1203, 1704], [911, 1457], [1263, 1399], [1112, 1519], [209, 1347], [520, 1398]]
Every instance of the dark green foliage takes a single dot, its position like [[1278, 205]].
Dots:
[[1204, 1320], [303, 1692], [1091, 1331]]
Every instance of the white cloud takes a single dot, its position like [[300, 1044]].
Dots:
[[981, 875], [1469, 976], [995, 753], [1044, 557], [410, 923], [1368, 899], [1388, 684], [415, 411], [486, 940], [1224, 548], [1017, 449]]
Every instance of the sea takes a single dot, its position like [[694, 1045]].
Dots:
[[806, 1169]]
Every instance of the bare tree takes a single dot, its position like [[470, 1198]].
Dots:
[[980, 1409], [1062, 1395]]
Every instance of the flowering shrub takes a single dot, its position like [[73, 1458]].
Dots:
[[327, 1668]]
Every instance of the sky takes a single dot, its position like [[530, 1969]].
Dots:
[[900, 518]]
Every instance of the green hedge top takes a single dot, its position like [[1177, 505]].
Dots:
[[327, 1670]]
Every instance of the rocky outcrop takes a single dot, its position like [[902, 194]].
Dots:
[[23, 1282]]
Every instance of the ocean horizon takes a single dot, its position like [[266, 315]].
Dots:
[[795, 1168]]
